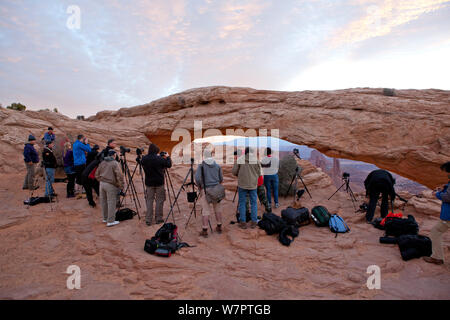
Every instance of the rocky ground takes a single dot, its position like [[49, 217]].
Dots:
[[40, 242]]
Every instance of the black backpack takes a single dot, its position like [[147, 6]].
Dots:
[[36, 200], [125, 214], [397, 226], [272, 223], [296, 217], [320, 216], [165, 242], [288, 234], [414, 246]]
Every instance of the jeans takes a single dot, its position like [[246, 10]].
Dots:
[[50, 172], [253, 204], [271, 182]]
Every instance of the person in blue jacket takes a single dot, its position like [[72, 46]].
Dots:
[[80, 148], [49, 136], [31, 157], [443, 224]]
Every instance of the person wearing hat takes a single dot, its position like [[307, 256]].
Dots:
[[49, 162], [49, 135], [31, 157], [111, 183]]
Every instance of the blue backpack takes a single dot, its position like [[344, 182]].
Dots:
[[337, 224]]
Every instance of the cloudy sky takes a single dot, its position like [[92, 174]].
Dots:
[[127, 52]]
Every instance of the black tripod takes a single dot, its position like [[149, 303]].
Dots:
[[168, 183], [346, 178], [191, 196], [296, 176], [130, 185]]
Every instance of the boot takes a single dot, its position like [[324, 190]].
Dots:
[[204, 233], [253, 224], [243, 225], [219, 228]]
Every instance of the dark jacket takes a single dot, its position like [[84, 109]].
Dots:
[[30, 154], [68, 159], [48, 158], [154, 167], [380, 180], [91, 156]]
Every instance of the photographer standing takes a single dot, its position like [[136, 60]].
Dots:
[[379, 182], [49, 162], [270, 166], [154, 166], [248, 170], [31, 157], [80, 148], [209, 178], [111, 183], [442, 225]]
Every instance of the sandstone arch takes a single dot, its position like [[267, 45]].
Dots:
[[408, 134]]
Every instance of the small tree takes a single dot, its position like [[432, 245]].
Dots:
[[17, 106]]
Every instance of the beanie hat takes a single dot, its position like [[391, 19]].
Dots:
[[31, 137]]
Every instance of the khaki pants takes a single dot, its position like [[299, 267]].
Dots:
[[206, 209], [436, 238], [108, 200], [157, 194], [28, 183]]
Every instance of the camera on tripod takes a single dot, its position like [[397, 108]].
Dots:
[[139, 151], [345, 176], [124, 150], [163, 154], [297, 153]]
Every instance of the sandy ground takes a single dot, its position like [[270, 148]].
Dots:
[[40, 242]]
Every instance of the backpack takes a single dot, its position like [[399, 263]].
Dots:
[[297, 217], [414, 246], [338, 225], [36, 200], [320, 216], [165, 242], [272, 223], [398, 226], [125, 214], [289, 230]]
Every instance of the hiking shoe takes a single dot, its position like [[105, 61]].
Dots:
[[159, 221], [148, 223], [268, 209], [110, 224], [104, 221], [243, 225], [277, 205], [433, 260], [204, 233], [219, 229], [92, 204], [253, 224]]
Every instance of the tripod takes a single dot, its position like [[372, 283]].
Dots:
[[168, 183], [295, 177], [130, 185], [347, 189]]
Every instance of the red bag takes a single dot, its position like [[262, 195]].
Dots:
[[92, 174], [391, 215]]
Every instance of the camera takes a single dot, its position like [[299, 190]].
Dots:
[[121, 193], [163, 154], [364, 207], [297, 153], [345, 175], [124, 150], [139, 151]]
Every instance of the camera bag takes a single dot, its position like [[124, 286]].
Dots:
[[125, 214], [414, 246], [297, 217], [397, 226], [320, 216]]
